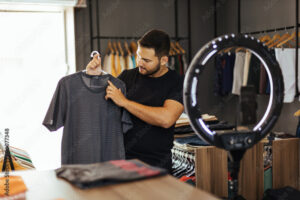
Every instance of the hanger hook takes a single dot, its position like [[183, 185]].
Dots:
[[95, 52]]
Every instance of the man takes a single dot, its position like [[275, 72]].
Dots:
[[154, 99]]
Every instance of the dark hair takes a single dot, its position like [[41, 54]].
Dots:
[[157, 39]]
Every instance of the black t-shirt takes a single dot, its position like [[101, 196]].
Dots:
[[151, 144]]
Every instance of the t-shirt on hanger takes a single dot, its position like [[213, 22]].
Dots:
[[93, 127]]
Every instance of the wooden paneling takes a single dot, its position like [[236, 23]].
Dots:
[[251, 175], [286, 163], [211, 170]]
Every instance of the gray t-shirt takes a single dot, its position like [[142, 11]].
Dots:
[[93, 127]]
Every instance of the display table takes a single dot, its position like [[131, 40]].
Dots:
[[45, 185]]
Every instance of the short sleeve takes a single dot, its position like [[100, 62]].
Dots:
[[126, 119], [55, 116], [122, 76], [176, 93]]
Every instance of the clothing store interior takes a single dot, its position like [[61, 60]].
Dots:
[[149, 99]]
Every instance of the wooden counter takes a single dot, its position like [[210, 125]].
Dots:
[[45, 185]]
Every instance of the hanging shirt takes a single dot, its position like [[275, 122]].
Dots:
[[185, 64], [129, 62], [238, 72], [262, 79], [93, 127], [254, 73], [151, 144], [246, 67], [172, 63], [286, 60], [122, 63], [133, 61], [219, 66], [227, 78], [224, 74], [107, 63], [113, 65], [117, 65]]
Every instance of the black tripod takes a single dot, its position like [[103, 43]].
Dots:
[[235, 158]]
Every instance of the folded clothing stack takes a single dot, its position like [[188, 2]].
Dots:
[[107, 173], [12, 188]]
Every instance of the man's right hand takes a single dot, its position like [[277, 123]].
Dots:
[[94, 66]]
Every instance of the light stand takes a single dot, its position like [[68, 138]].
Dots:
[[235, 142]]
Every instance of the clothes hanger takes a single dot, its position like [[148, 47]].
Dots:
[[186, 169], [228, 50], [297, 113], [282, 38], [175, 49], [115, 48], [92, 55], [293, 35], [179, 47], [275, 37], [180, 160], [185, 165], [108, 49], [127, 48], [182, 163], [120, 48], [287, 40], [265, 38], [240, 49], [190, 172], [133, 47]]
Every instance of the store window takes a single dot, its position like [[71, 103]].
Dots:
[[33, 57]]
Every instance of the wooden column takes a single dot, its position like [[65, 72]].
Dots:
[[286, 163]]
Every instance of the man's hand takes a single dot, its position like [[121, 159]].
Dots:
[[115, 94], [94, 67]]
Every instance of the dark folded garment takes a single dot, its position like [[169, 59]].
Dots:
[[286, 193], [192, 140], [107, 173], [183, 129], [222, 125]]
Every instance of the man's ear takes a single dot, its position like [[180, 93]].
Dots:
[[164, 60]]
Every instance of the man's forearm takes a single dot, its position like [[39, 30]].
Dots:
[[157, 116], [164, 116]]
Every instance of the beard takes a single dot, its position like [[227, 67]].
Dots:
[[151, 72]]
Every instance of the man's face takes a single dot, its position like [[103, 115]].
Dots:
[[147, 62]]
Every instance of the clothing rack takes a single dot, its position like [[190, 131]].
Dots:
[[131, 37], [296, 26], [176, 37]]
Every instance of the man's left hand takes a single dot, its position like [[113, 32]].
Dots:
[[115, 94]]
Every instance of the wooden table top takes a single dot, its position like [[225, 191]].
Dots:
[[44, 185]]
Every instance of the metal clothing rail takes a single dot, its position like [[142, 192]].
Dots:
[[131, 37], [296, 26], [271, 30], [98, 37]]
